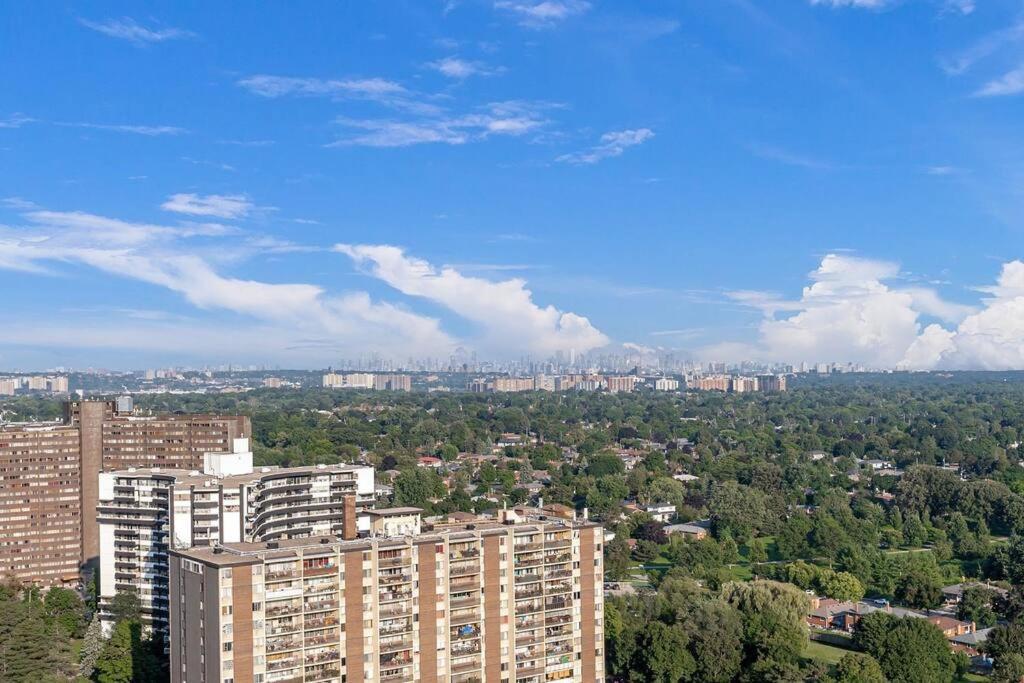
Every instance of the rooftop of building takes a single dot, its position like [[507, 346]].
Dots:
[[230, 554], [199, 479]]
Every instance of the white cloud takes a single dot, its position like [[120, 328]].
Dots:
[[217, 205], [128, 29], [963, 7], [15, 121], [509, 319], [511, 118], [161, 256], [985, 47], [542, 14], [991, 338], [1010, 83], [612, 144], [461, 69], [852, 311], [149, 131], [378, 90], [862, 4]]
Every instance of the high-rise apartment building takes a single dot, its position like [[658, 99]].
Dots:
[[40, 503], [145, 512], [49, 478], [516, 599], [618, 383], [772, 383], [666, 384]]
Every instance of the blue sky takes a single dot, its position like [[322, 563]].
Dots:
[[294, 184]]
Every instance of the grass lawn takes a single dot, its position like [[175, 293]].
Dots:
[[824, 652]]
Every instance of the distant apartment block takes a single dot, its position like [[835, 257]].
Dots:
[[366, 380], [49, 478], [616, 384], [666, 384], [514, 599], [739, 384], [9, 386], [145, 512]]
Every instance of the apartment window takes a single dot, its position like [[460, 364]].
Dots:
[[227, 646], [257, 606], [225, 573], [225, 610], [257, 570]]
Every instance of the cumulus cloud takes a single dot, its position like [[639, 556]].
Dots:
[[856, 309], [461, 69], [509, 319], [613, 144], [991, 338], [217, 205], [128, 29], [163, 256], [542, 14]]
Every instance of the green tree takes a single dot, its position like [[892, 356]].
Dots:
[[908, 650], [858, 668], [92, 646], [114, 664], [715, 632], [920, 588], [1009, 668], [65, 608], [976, 605], [662, 655], [841, 585]]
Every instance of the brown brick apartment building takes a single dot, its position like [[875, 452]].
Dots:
[[49, 478], [511, 600]]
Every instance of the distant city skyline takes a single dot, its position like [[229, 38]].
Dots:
[[814, 181]]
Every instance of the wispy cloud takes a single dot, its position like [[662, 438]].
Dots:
[[380, 90], [15, 121], [789, 158], [512, 118], [612, 144], [128, 29], [988, 45], [216, 205], [461, 69], [861, 4], [1010, 83], [542, 14], [247, 143], [149, 131]]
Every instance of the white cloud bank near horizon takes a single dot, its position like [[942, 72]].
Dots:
[[286, 321], [861, 310]]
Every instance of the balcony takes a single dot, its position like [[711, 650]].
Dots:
[[391, 579], [464, 666], [557, 603], [320, 657], [465, 569], [468, 584], [321, 605], [395, 644], [320, 587], [281, 664], [395, 660], [283, 629], [323, 674], [399, 676], [399, 561], [558, 574], [531, 592], [281, 575], [466, 632], [322, 639], [393, 596], [463, 553], [461, 601], [288, 609], [528, 561], [395, 628], [558, 543], [320, 622], [283, 645], [529, 607], [557, 587], [464, 617], [557, 620], [399, 609], [528, 547], [531, 638], [320, 571], [471, 647], [557, 558], [528, 577]]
